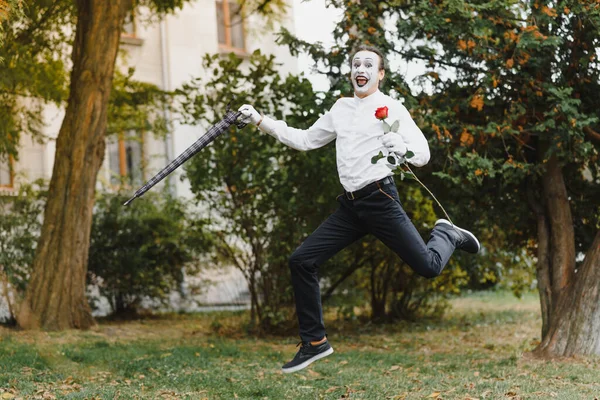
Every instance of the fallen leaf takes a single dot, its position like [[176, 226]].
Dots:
[[395, 368], [333, 389], [8, 396], [476, 373], [313, 373], [397, 397], [344, 362], [434, 395]]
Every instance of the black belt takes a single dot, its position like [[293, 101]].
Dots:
[[371, 187]]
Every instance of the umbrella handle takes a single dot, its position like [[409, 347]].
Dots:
[[239, 122]]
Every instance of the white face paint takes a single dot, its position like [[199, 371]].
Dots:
[[365, 73]]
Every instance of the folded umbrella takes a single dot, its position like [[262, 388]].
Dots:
[[216, 130]]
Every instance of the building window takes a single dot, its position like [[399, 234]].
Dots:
[[230, 26], [129, 25], [7, 173], [126, 159]]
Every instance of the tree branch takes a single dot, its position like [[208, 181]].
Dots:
[[437, 61], [592, 134], [353, 267]]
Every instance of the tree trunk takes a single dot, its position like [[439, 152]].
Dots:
[[575, 326], [381, 275], [570, 302], [55, 297]]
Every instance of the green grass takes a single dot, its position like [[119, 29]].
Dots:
[[478, 351]]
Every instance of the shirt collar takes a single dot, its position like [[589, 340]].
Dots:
[[375, 95]]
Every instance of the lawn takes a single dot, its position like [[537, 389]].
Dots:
[[479, 350]]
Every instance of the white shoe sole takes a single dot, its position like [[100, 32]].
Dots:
[[307, 362], [466, 232]]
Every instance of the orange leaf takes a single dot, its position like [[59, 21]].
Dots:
[[477, 102], [436, 129], [551, 12], [524, 58], [509, 63], [510, 35], [466, 139], [462, 44]]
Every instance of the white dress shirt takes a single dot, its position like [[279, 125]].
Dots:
[[352, 122]]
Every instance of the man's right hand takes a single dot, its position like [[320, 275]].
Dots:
[[250, 115]]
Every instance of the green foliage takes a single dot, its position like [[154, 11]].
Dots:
[[512, 85], [34, 69], [20, 223], [8, 8], [137, 106], [143, 251], [262, 196]]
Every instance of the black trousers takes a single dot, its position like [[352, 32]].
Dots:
[[379, 213]]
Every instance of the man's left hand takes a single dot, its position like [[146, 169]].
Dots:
[[394, 142]]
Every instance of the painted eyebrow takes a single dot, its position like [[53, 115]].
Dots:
[[366, 59]]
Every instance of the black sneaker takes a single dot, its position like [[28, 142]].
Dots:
[[307, 355], [464, 239]]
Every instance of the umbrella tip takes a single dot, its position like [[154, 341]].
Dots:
[[129, 201]]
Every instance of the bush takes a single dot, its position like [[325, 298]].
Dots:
[[143, 251], [20, 218]]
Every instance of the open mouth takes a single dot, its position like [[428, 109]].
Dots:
[[361, 81]]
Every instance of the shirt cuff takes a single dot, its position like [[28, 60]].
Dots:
[[268, 126]]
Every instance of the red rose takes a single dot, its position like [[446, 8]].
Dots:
[[381, 113]]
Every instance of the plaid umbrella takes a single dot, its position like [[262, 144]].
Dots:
[[216, 130]]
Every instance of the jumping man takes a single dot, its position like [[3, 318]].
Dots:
[[370, 203]]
